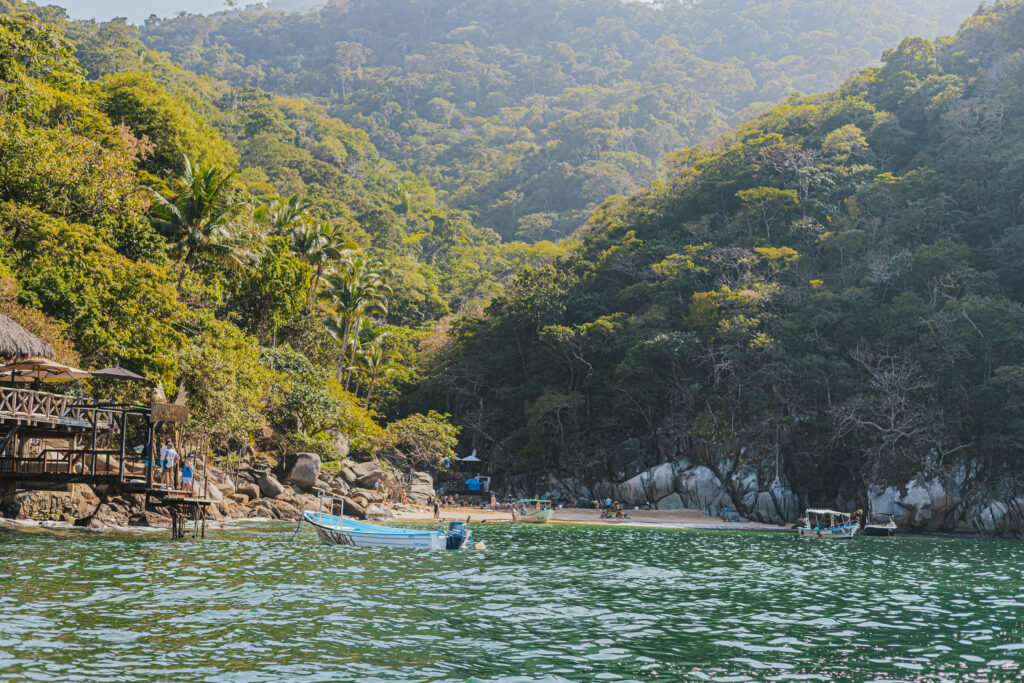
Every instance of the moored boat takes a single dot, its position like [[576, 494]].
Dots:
[[880, 529], [828, 524], [532, 511], [340, 530]]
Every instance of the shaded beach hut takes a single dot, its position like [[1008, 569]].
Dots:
[[16, 342]]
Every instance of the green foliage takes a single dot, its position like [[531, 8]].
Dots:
[[421, 439], [834, 286], [531, 118]]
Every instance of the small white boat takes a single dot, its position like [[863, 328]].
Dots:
[[339, 530], [828, 524], [532, 511], [876, 529]]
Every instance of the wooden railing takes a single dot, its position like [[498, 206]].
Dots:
[[41, 406]]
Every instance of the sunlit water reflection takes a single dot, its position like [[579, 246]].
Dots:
[[543, 603]]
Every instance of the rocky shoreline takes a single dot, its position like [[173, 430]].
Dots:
[[658, 472], [281, 493]]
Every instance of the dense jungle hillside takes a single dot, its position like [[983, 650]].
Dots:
[[247, 247], [529, 114], [835, 287]]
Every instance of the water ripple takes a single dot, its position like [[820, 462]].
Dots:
[[557, 603]]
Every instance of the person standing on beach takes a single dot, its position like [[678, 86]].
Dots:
[[437, 508]]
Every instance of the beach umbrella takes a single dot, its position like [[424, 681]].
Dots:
[[118, 374], [17, 342], [40, 369]]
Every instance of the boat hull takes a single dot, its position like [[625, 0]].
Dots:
[[845, 531], [332, 530], [533, 516], [879, 530]]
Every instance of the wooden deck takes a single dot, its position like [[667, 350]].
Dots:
[[53, 439]]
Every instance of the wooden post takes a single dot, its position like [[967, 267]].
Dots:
[[150, 434], [206, 479], [95, 434], [124, 446]]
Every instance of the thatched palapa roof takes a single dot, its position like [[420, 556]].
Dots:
[[17, 342]]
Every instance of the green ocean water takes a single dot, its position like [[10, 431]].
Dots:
[[543, 603]]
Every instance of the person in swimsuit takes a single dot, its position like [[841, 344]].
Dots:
[[187, 473]]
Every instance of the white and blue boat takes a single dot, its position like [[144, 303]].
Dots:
[[340, 530], [828, 524]]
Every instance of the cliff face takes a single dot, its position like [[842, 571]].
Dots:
[[655, 471]]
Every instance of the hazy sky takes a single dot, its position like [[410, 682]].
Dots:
[[135, 10]]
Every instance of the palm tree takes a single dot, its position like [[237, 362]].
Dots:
[[374, 361], [284, 214], [319, 244], [356, 289], [199, 219]]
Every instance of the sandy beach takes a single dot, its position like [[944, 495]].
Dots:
[[687, 519]]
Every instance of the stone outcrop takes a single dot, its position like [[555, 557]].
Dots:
[[421, 489], [375, 512], [367, 474], [302, 469], [249, 490], [270, 487]]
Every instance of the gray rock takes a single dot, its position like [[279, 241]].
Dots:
[[226, 487], [348, 475], [701, 489], [342, 447], [270, 487], [251, 491], [376, 512], [339, 487], [303, 469], [367, 474], [672, 501]]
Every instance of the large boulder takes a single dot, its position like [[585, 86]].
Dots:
[[270, 487], [347, 475], [701, 489], [367, 474], [226, 487], [85, 499], [672, 501], [249, 490], [287, 511], [421, 490], [354, 509], [212, 492], [375, 512], [368, 495], [150, 518], [339, 487], [341, 446], [108, 516], [303, 469]]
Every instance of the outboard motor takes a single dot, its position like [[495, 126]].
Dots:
[[458, 535]]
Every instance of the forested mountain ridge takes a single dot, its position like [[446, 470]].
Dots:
[[833, 289], [529, 114], [246, 246]]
